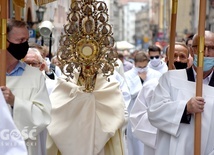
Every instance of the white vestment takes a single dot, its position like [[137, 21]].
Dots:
[[127, 98], [31, 111], [11, 141], [120, 68], [135, 147], [141, 127], [86, 123], [162, 67], [123, 87], [166, 110]]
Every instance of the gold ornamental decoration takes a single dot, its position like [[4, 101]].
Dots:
[[42, 2], [87, 43]]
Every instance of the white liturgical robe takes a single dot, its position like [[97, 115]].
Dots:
[[166, 110], [86, 123], [140, 125], [31, 111], [135, 147], [11, 141]]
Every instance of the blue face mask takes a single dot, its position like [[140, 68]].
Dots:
[[208, 62]]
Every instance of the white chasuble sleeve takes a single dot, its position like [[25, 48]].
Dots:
[[82, 123]]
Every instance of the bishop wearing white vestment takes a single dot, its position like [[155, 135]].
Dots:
[[86, 123]]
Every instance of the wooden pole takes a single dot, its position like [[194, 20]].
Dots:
[[18, 12], [3, 33], [172, 33], [199, 80]]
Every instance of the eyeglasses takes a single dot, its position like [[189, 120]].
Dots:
[[36, 64], [209, 48], [156, 57]]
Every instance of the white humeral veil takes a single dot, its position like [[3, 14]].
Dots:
[[86, 123]]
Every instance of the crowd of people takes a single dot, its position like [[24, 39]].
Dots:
[[145, 108]]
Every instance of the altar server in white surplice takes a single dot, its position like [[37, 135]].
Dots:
[[127, 98], [174, 104], [141, 127], [135, 79]]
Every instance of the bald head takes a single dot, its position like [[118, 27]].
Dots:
[[208, 44], [180, 48], [209, 38], [208, 52]]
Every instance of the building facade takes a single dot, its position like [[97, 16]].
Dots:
[[135, 21]]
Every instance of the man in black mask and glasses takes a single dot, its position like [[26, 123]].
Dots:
[[25, 91], [181, 55]]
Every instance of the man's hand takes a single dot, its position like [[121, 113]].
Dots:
[[44, 66], [8, 95], [195, 105]]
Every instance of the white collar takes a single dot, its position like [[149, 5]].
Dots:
[[206, 80]]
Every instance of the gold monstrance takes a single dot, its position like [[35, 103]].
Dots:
[[87, 45]]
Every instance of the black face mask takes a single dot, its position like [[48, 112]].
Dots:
[[180, 65], [18, 51]]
